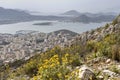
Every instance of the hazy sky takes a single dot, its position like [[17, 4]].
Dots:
[[63, 5]]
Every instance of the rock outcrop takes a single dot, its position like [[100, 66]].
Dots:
[[85, 73]]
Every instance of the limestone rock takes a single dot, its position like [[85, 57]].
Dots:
[[85, 73], [100, 77], [108, 61], [109, 73]]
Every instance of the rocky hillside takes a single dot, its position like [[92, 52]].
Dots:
[[100, 33], [93, 55]]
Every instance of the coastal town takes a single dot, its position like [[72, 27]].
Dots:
[[24, 45]]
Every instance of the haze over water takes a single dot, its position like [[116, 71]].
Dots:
[[76, 27]]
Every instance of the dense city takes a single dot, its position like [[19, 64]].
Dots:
[[25, 45]]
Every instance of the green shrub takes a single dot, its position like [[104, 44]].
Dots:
[[106, 26], [115, 69], [76, 62], [116, 52], [115, 21]]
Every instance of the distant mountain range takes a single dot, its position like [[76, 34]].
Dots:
[[90, 17], [9, 16], [71, 12], [95, 19], [76, 13]]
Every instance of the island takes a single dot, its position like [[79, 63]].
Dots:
[[44, 23]]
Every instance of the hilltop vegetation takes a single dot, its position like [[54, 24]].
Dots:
[[103, 56]]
